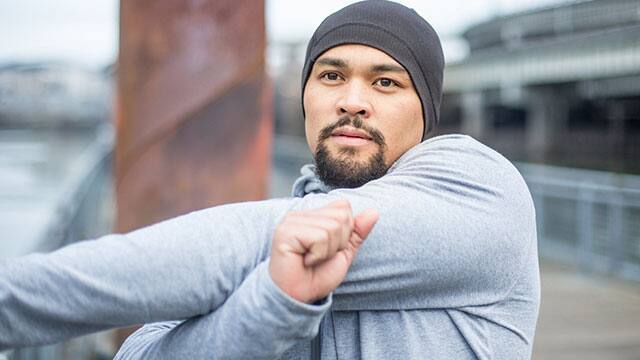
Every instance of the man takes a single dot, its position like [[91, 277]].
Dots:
[[449, 271]]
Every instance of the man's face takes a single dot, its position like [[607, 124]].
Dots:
[[362, 114]]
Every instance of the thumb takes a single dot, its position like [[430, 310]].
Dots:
[[364, 222]]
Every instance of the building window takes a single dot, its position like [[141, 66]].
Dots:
[[587, 115], [506, 117]]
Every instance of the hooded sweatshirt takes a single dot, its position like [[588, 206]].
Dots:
[[450, 271]]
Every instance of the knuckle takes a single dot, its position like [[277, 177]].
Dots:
[[345, 216], [326, 245], [324, 250], [281, 231], [326, 236], [317, 238], [334, 226]]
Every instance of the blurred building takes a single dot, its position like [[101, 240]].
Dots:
[[558, 85], [286, 60], [50, 95]]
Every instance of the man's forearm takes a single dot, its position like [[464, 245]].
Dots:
[[259, 321], [180, 268]]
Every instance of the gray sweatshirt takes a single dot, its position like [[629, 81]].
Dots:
[[450, 271]]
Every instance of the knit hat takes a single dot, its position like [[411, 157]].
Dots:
[[396, 30]]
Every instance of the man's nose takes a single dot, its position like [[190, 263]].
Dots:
[[354, 100]]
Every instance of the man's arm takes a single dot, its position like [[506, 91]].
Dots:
[[317, 242], [176, 269], [258, 321], [311, 253], [457, 225]]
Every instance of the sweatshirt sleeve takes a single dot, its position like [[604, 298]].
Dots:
[[456, 223], [456, 226], [258, 321], [180, 268]]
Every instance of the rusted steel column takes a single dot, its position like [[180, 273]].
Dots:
[[194, 118], [193, 121]]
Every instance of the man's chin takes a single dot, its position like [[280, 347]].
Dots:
[[346, 167]]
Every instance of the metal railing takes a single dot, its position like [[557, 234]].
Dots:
[[84, 207], [586, 218], [83, 211]]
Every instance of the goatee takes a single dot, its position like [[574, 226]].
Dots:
[[342, 171]]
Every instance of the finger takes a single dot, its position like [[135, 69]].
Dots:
[[340, 203], [311, 242], [318, 252], [338, 232], [364, 224], [299, 238], [317, 238], [336, 207], [343, 214]]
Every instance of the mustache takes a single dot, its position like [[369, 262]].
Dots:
[[356, 122]]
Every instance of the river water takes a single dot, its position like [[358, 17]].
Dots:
[[34, 167]]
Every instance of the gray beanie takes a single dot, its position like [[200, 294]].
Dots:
[[396, 30]]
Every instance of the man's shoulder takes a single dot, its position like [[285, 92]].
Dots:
[[454, 148], [461, 159]]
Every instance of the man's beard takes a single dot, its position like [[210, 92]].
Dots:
[[344, 172]]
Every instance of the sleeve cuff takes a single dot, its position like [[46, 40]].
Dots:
[[295, 306]]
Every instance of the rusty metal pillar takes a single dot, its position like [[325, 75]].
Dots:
[[194, 117], [194, 123]]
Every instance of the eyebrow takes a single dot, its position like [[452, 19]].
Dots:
[[339, 63], [387, 68], [378, 68]]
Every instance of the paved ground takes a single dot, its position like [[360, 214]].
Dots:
[[585, 317]]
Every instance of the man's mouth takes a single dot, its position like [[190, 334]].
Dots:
[[350, 136]]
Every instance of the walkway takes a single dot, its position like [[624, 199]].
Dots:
[[584, 317]]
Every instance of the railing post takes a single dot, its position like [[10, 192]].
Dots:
[[584, 221], [616, 244], [538, 201]]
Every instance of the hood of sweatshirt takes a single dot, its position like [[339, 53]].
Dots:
[[308, 183]]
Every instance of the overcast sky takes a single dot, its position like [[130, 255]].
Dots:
[[86, 31]]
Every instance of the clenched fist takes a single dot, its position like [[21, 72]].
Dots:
[[313, 249]]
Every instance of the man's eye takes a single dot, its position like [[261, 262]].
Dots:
[[384, 82], [331, 76]]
